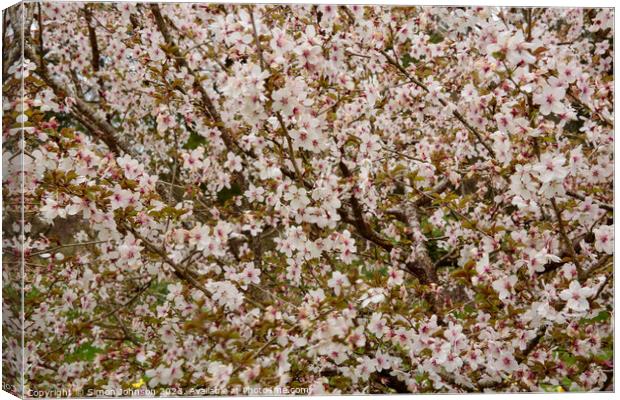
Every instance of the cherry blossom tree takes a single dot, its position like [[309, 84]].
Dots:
[[346, 199]]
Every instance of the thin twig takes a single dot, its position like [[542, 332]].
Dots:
[[444, 103]]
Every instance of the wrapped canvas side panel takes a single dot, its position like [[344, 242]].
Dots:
[[13, 202]]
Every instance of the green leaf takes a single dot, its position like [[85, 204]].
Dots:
[[436, 38], [32, 294], [194, 141], [406, 60], [72, 314], [601, 317], [84, 352], [566, 382], [606, 355], [568, 358], [228, 193]]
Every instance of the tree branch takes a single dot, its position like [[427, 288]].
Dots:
[[208, 106], [359, 222], [567, 242], [604, 206], [92, 37], [457, 114], [100, 128]]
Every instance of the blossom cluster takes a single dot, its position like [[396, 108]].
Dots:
[[344, 199]]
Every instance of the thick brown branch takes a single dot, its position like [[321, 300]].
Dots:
[[419, 262], [100, 128], [567, 242], [92, 37], [359, 222]]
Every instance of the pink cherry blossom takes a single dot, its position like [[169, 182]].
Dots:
[[337, 282], [576, 297], [550, 100]]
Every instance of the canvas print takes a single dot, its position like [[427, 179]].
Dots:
[[216, 199]]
